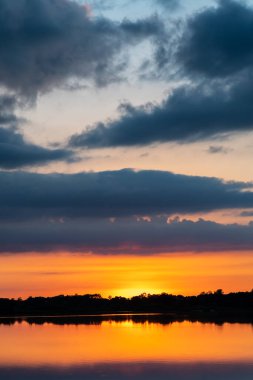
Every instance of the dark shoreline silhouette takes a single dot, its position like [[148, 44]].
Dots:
[[162, 308]]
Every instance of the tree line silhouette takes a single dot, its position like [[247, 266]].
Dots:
[[205, 306]]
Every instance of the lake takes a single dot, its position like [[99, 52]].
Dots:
[[124, 347]]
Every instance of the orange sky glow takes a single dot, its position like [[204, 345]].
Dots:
[[51, 274]]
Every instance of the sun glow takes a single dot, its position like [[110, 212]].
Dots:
[[51, 274], [141, 289]]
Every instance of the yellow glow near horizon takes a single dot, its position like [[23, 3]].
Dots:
[[51, 274]]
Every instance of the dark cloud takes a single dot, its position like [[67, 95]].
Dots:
[[218, 41], [115, 194], [142, 28], [43, 43], [115, 212], [16, 152], [124, 236], [247, 213], [7, 108], [190, 113], [217, 149]]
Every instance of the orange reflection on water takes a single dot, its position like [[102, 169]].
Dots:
[[49, 344]]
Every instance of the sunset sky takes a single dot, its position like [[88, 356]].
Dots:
[[126, 146]]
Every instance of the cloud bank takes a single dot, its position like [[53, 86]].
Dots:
[[121, 193], [127, 236]]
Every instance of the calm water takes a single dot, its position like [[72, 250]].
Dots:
[[121, 348]]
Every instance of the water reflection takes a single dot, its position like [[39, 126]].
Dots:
[[124, 347], [98, 319]]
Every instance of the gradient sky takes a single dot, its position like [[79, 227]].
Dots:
[[126, 135]]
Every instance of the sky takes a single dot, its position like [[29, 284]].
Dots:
[[126, 135]]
